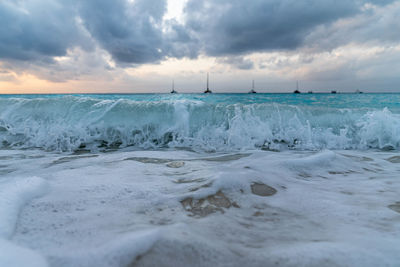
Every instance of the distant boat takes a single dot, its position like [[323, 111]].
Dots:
[[207, 91], [358, 92], [297, 91], [173, 88], [252, 91], [310, 92], [333, 92]]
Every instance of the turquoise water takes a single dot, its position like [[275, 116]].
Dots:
[[210, 122], [366, 100]]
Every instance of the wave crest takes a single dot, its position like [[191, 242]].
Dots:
[[71, 123]]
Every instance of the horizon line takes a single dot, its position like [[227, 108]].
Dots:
[[258, 92]]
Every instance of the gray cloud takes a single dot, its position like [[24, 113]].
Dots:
[[40, 30], [237, 27], [178, 42], [6, 76], [237, 62], [37, 31], [130, 32], [234, 27], [376, 26], [33, 32]]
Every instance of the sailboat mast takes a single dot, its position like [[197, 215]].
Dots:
[[252, 86], [207, 82], [297, 85], [173, 85]]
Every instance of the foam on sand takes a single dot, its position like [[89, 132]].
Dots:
[[14, 195], [121, 251], [12, 255], [292, 208]]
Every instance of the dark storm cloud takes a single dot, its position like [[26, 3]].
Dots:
[[376, 26], [32, 30], [37, 30], [134, 32], [130, 32], [178, 42], [231, 27]]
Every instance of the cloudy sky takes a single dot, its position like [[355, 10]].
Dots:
[[58, 46]]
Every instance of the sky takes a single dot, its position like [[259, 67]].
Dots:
[[140, 46]]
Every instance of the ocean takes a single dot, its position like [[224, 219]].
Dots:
[[200, 180]]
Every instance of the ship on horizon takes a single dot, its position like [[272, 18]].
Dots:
[[173, 88], [297, 91], [208, 91], [252, 91]]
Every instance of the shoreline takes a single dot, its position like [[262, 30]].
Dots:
[[288, 207]]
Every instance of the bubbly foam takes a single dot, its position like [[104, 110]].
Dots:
[[69, 123], [14, 195], [130, 208]]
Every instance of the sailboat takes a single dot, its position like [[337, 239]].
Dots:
[[207, 91], [297, 88], [173, 88], [252, 91]]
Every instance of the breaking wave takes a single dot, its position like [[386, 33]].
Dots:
[[70, 123]]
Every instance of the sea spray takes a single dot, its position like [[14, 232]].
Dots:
[[69, 123]]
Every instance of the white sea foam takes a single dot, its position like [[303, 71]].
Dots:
[[120, 251], [12, 255], [14, 195], [70, 123], [331, 208]]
